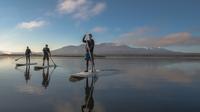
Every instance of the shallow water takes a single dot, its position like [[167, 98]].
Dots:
[[124, 85]]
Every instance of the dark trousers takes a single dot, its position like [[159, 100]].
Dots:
[[27, 59], [46, 58]]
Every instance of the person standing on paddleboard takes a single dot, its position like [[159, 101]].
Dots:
[[89, 47], [46, 53], [28, 55]]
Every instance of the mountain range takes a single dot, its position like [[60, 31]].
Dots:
[[112, 49]]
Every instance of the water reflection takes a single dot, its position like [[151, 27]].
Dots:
[[27, 73], [88, 105], [89, 100], [46, 77], [123, 85], [46, 74]]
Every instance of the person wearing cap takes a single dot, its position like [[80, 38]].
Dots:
[[46, 54], [89, 47], [28, 55]]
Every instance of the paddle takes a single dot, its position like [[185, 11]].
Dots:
[[52, 61], [19, 58]]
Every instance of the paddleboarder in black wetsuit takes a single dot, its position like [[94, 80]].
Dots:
[[28, 55], [89, 47], [46, 53]]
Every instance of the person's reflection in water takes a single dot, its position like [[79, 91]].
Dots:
[[27, 73], [89, 100], [46, 78]]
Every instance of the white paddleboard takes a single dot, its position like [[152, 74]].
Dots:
[[84, 74], [43, 67], [19, 64]]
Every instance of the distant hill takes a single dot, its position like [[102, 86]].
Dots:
[[111, 49]]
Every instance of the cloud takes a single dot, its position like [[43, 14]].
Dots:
[[81, 9], [142, 37], [98, 8], [139, 32], [174, 39], [31, 25], [99, 29], [70, 6]]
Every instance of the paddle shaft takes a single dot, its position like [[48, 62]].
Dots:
[[52, 61], [19, 58]]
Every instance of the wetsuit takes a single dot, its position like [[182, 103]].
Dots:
[[46, 52]]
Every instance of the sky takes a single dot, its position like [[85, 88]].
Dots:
[[170, 24]]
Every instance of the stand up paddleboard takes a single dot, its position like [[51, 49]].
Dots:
[[84, 74], [19, 64], [99, 73], [43, 67]]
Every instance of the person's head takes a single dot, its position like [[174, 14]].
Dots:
[[46, 45], [90, 36], [27, 47]]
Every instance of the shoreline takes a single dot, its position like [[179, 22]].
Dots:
[[172, 57]]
